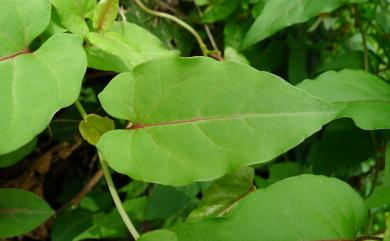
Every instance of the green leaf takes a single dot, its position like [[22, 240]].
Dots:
[[159, 235], [21, 212], [278, 14], [342, 147], [105, 14], [94, 127], [20, 23], [73, 13], [126, 45], [200, 119], [231, 54], [279, 171], [362, 96], [70, 223], [386, 237], [224, 194], [18, 155], [219, 10], [34, 86], [111, 225], [305, 207], [165, 201]]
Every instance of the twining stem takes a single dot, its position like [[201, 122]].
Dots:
[[114, 193], [117, 200], [202, 45]]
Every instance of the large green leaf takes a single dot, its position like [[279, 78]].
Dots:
[[125, 45], [196, 119], [21, 212], [305, 207], [35, 86], [73, 13], [20, 23], [363, 97], [278, 14]]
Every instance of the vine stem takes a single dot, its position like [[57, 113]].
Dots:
[[111, 186], [202, 45], [114, 194]]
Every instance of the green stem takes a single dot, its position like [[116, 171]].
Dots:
[[81, 109], [114, 194], [202, 45], [122, 212]]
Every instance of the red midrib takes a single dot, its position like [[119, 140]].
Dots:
[[23, 51]]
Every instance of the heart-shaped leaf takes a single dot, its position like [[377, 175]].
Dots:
[[196, 119], [21, 212], [362, 96], [278, 14], [35, 86], [305, 207]]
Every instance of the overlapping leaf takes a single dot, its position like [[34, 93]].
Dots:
[[33, 86], [73, 13], [123, 47], [363, 97], [198, 119], [278, 14], [305, 207]]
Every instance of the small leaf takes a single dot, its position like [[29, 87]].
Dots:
[[73, 13], [278, 14], [123, 47], [159, 235], [105, 14], [224, 194], [362, 96], [203, 124], [231, 54], [305, 207], [219, 10], [18, 155], [94, 127], [21, 212]]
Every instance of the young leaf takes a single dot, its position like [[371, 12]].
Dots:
[[305, 207], [219, 10], [362, 96], [21, 212], [278, 14], [196, 119], [94, 127], [73, 13], [127, 45], [33, 87], [224, 194], [105, 14]]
